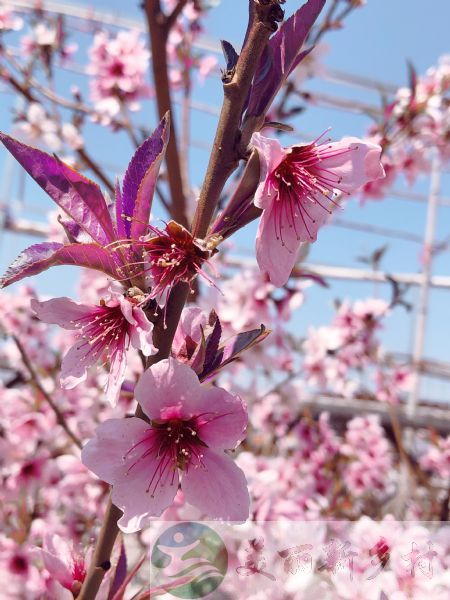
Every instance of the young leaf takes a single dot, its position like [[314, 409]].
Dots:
[[133, 206], [40, 257], [230, 54], [282, 55], [80, 198]]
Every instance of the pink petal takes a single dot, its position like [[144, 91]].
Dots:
[[131, 496], [270, 154], [104, 453], [227, 429], [218, 488], [60, 311], [357, 167], [126, 307], [57, 568], [274, 258], [119, 455], [76, 363], [116, 376], [168, 385], [192, 319], [141, 334]]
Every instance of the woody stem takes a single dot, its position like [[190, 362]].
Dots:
[[223, 161]]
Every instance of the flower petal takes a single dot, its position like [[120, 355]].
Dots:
[[131, 494], [270, 153], [116, 376], [218, 488], [104, 453], [168, 385], [227, 428], [275, 258], [355, 167], [60, 311], [75, 364]]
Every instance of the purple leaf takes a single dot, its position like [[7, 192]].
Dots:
[[140, 180], [122, 588], [231, 350], [119, 574], [80, 198], [41, 257], [230, 54], [212, 359], [73, 231], [281, 56]]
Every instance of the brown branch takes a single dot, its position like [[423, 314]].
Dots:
[[37, 384], [226, 154], [100, 562], [171, 19], [94, 167], [158, 27], [227, 138]]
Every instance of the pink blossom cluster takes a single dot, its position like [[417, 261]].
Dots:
[[369, 454], [437, 458], [183, 57], [46, 40], [343, 357], [350, 342], [249, 299], [314, 458], [9, 21], [415, 122], [36, 126], [118, 66]]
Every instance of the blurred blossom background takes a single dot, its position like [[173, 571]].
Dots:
[[348, 397]]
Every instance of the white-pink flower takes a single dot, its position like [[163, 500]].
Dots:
[[297, 191], [190, 428], [106, 332], [9, 21], [119, 66], [67, 569], [36, 126]]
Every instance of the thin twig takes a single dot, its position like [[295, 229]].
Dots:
[[37, 384], [94, 167], [159, 30], [170, 19], [217, 174]]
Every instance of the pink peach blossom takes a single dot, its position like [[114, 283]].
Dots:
[[297, 191], [190, 428], [106, 330]]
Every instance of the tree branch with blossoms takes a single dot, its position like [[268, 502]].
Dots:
[[182, 427]]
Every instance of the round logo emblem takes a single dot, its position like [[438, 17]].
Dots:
[[191, 560]]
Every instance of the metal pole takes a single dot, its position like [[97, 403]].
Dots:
[[424, 293]]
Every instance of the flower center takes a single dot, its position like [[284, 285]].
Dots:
[[302, 182], [173, 444], [104, 329], [180, 439], [173, 256]]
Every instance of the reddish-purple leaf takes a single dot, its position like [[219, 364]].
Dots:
[[212, 359], [120, 573], [41, 257], [125, 583], [80, 198], [135, 202], [283, 54], [230, 350]]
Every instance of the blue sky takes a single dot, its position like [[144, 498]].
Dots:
[[376, 41]]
